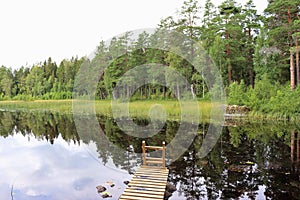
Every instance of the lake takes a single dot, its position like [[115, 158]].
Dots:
[[42, 156]]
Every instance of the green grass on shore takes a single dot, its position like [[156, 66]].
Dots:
[[137, 109]]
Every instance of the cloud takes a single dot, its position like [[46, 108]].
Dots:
[[39, 170]]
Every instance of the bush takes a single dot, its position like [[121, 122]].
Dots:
[[237, 94], [57, 95], [259, 97], [23, 97], [267, 98]]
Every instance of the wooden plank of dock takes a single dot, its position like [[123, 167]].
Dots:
[[148, 182]]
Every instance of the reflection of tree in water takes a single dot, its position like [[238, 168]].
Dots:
[[121, 148], [7, 123], [43, 125], [243, 159], [49, 126], [124, 149], [295, 149]]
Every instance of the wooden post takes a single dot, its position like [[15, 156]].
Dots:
[[163, 154], [144, 152]]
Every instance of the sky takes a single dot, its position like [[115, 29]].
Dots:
[[33, 30]]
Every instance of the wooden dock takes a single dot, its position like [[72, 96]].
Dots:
[[149, 181]]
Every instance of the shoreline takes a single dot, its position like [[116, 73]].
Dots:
[[139, 109]]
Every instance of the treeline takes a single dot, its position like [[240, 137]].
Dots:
[[246, 47], [45, 80]]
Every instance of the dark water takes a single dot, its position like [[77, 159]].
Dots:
[[43, 157]]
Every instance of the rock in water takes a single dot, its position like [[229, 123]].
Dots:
[[101, 188], [106, 194], [111, 184], [167, 195], [170, 188]]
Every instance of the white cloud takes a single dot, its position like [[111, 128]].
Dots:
[[59, 171]]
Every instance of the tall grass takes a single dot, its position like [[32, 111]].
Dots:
[[62, 106], [137, 109]]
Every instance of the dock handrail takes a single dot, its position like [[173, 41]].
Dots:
[[152, 160]]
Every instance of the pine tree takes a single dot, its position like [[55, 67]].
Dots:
[[230, 22], [251, 24], [209, 28], [296, 49], [281, 15]]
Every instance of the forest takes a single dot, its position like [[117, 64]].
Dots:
[[256, 54]]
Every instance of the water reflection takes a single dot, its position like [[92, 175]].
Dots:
[[295, 149], [43, 157], [32, 168], [250, 162]]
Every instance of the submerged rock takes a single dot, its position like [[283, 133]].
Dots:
[[169, 190], [167, 195], [106, 194], [101, 188], [111, 184]]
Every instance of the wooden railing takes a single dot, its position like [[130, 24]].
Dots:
[[154, 160]]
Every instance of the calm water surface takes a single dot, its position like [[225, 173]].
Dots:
[[42, 157]]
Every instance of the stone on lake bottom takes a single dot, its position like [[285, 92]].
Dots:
[[106, 194], [101, 188], [111, 184]]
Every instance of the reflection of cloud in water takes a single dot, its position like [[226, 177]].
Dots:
[[39, 170]]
